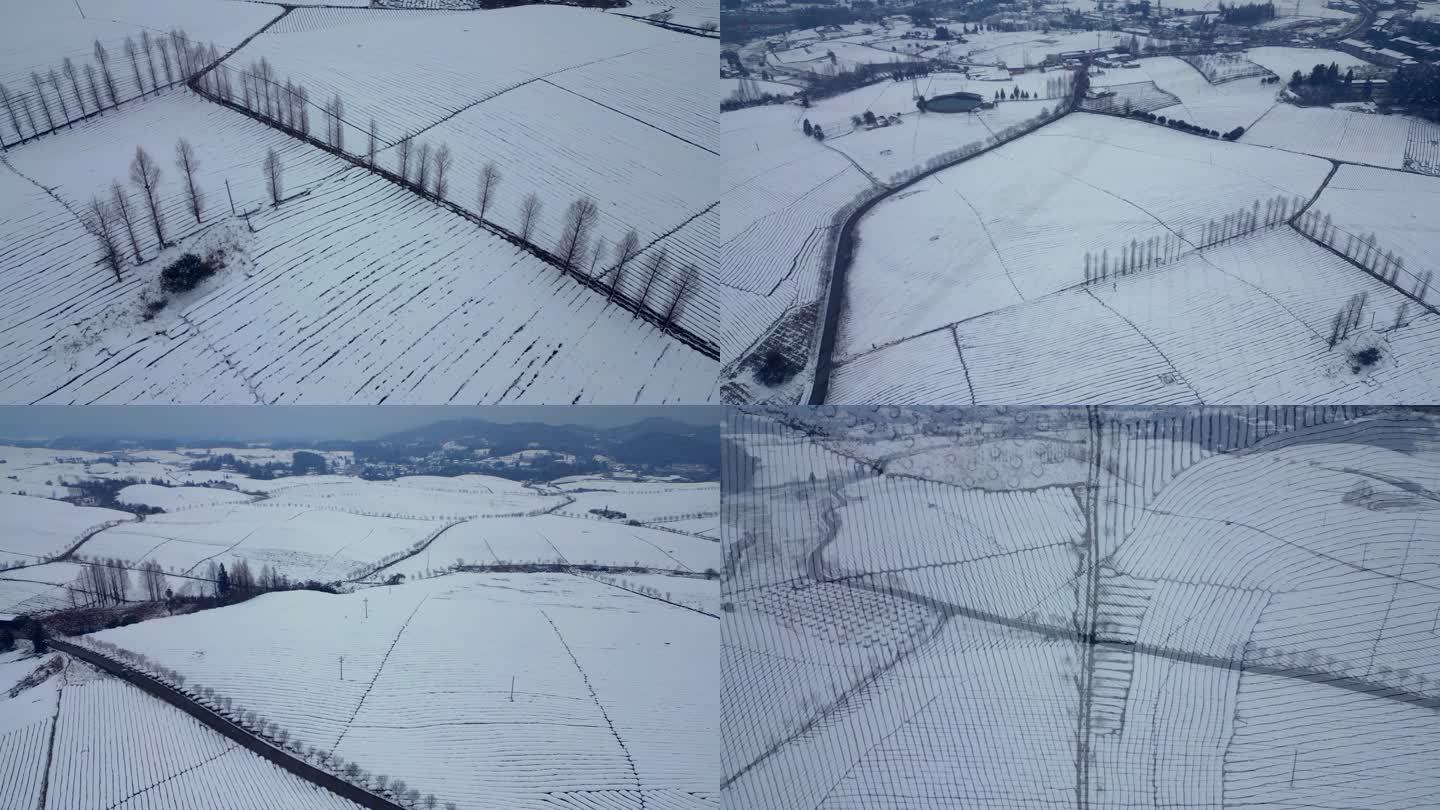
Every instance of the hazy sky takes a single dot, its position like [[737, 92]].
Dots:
[[320, 422]]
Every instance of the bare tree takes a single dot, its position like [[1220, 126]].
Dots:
[[625, 250], [153, 580], [185, 159], [529, 210], [148, 47], [165, 60], [339, 140], [94, 87], [489, 178], [182, 53], [653, 271], [125, 213], [579, 221], [9, 102], [145, 173], [103, 57], [29, 115], [44, 105], [304, 110], [374, 143], [134, 55], [273, 179], [402, 158], [99, 220], [241, 578], [68, 68], [287, 104], [60, 96], [422, 171], [442, 167], [682, 293]]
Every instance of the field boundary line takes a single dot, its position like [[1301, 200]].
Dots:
[[378, 671], [834, 296], [639, 788], [650, 597], [674, 330]]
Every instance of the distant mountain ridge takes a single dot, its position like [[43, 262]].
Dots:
[[656, 444]]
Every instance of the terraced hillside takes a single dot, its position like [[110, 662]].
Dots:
[[1097, 607]]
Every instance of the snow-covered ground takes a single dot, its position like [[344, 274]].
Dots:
[[955, 246], [624, 114], [480, 688], [77, 723], [39, 36], [593, 689], [568, 540], [565, 102], [1388, 141], [1221, 107], [37, 527], [1181, 619]]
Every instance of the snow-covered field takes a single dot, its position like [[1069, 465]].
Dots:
[[584, 689], [781, 191], [1240, 581], [1388, 141], [1285, 61], [565, 102], [955, 246], [401, 307], [645, 501], [78, 723], [481, 688], [1172, 335], [333, 527], [1393, 206], [1220, 107], [38, 528], [39, 36], [428, 307]]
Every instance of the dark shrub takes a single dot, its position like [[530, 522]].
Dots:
[[185, 273], [153, 307], [776, 368], [1363, 358]]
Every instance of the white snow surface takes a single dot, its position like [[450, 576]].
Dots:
[[585, 719]]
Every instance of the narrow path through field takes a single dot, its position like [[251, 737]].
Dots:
[[634, 772], [378, 670]]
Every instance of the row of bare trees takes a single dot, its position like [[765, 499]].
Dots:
[[107, 582], [1366, 252], [114, 219], [1157, 250], [396, 789], [58, 98], [426, 168]]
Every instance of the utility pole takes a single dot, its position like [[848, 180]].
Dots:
[[1294, 759], [231, 196], [342, 667], [366, 600], [512, 688]]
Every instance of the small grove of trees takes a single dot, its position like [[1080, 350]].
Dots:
[[58, 97], [1247, 14], [114, 221], [1348, 318]]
